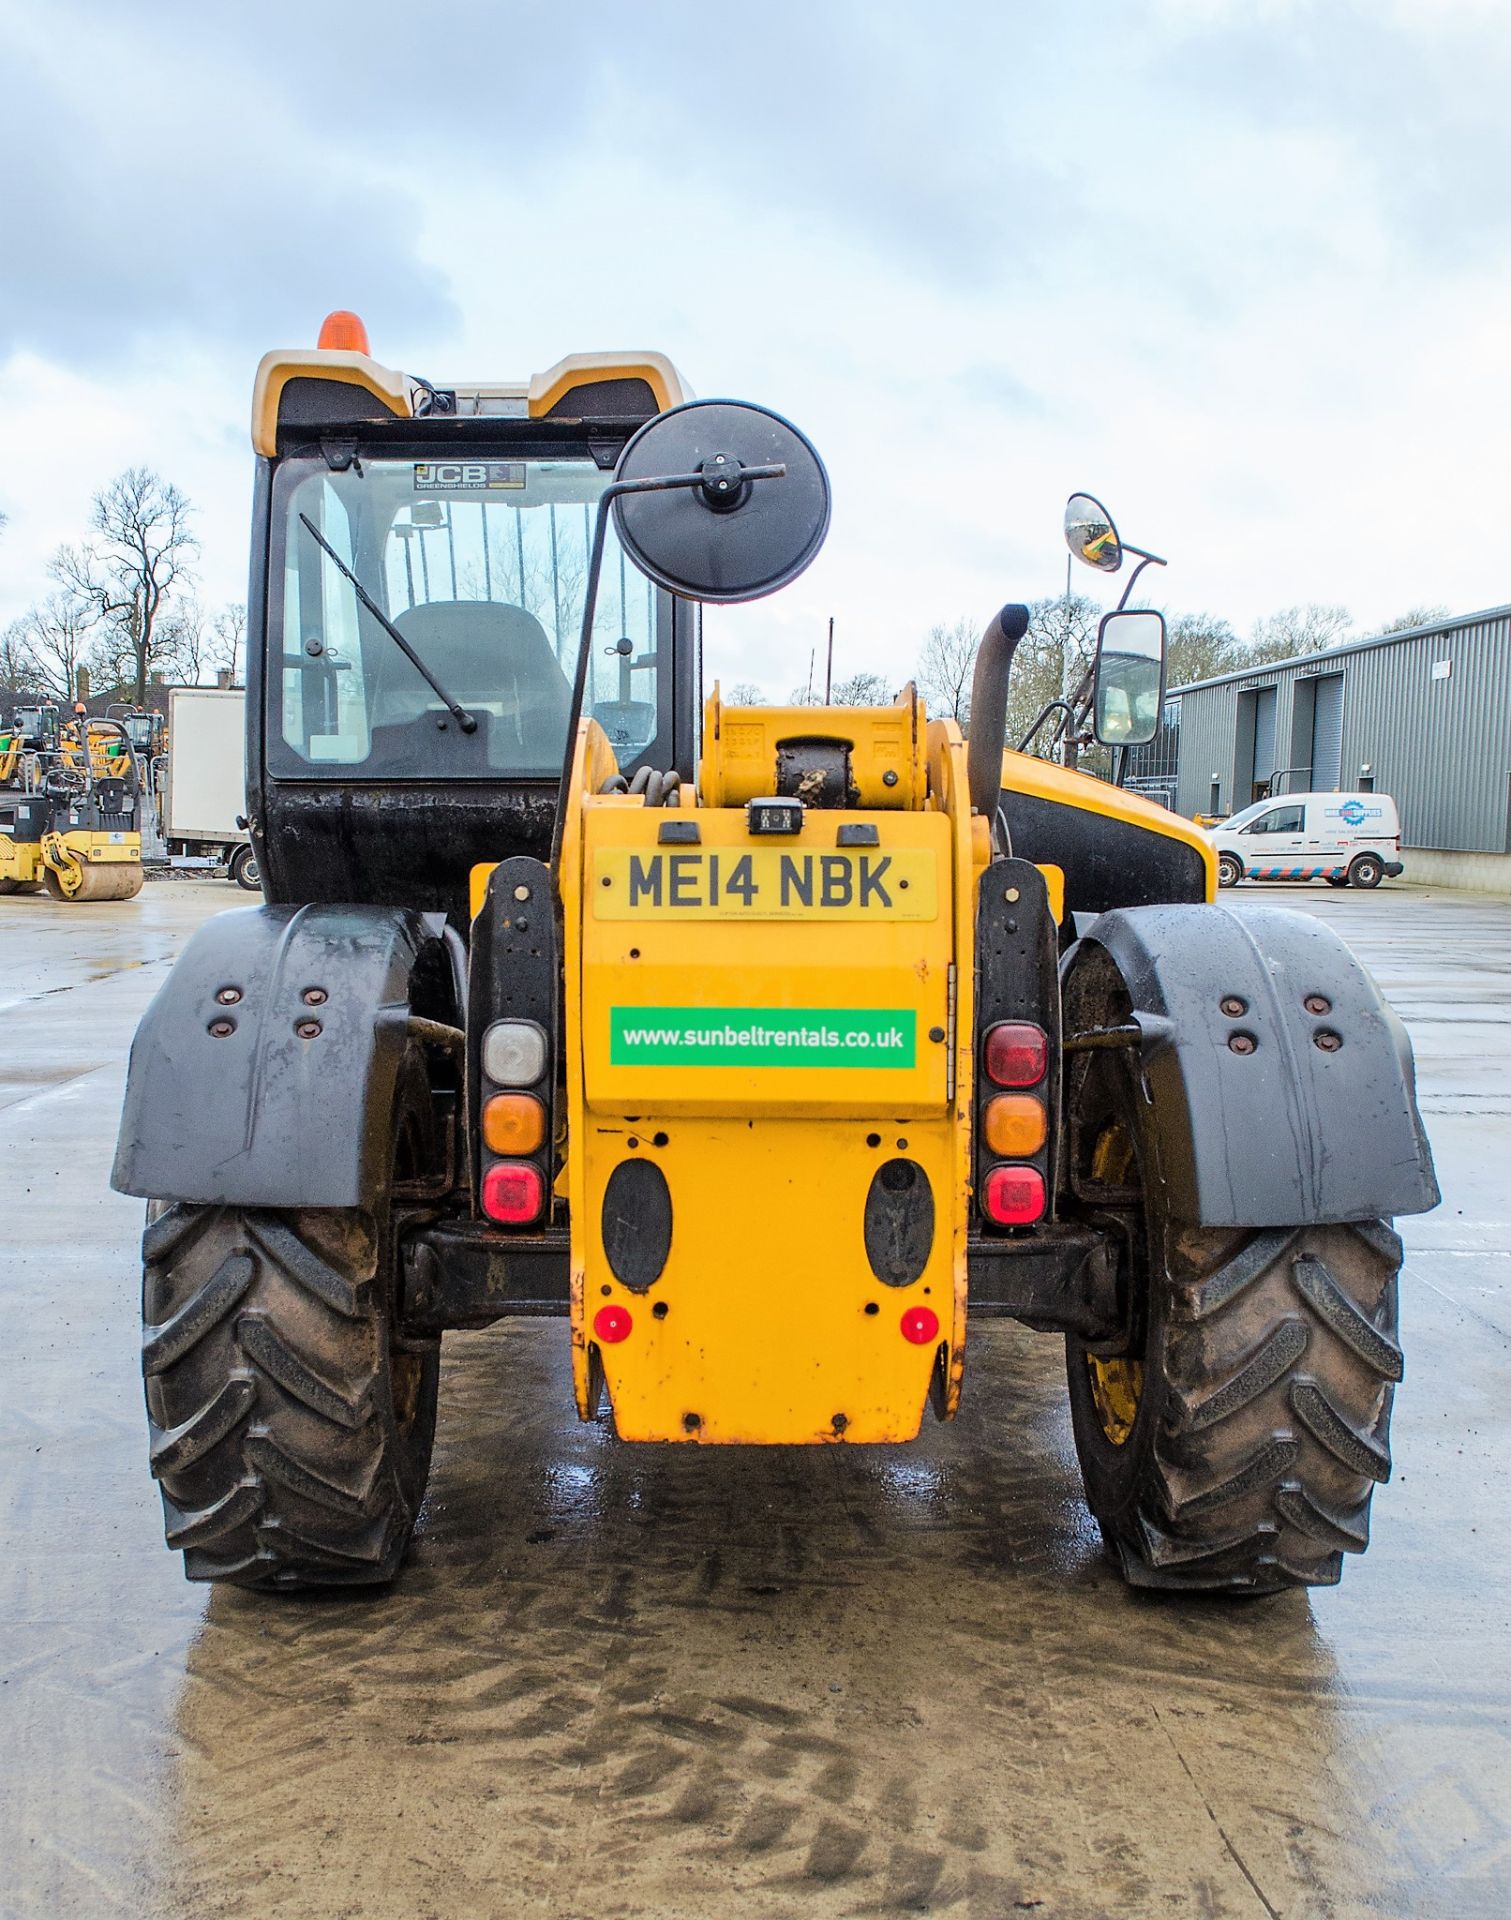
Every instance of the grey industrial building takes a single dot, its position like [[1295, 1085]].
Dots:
[[1423, 715]]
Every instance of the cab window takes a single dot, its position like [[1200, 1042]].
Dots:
[[481, 566], [1279, 820]]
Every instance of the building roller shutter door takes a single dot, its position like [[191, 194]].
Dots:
[[1327, 733], [1264, 735]]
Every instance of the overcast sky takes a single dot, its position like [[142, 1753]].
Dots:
[[1243, 269]]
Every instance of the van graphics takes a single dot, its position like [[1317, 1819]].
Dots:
[[1353, 812], [763, 1037], [762, 884]]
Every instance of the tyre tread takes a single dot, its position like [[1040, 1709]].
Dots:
[[1279, 1359]]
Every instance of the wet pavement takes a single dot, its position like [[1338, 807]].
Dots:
[[631, 1681]]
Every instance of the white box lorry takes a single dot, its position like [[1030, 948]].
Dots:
[[204, 790]]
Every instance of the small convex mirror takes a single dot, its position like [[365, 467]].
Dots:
[[728, 539], [1090, 534], [1130, 678]]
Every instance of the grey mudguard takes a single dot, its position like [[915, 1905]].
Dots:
[[1290, 1134], [265, 1115]]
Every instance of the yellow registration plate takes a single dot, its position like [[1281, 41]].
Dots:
[[762, 883]]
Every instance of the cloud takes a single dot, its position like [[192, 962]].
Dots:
[[1236, 264], [160, 186]]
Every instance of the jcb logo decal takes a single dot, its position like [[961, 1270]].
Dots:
[[431, 476]]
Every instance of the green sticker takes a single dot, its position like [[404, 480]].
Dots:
[[763, 1036]]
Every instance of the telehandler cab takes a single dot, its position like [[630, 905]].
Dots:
[[550, 983]]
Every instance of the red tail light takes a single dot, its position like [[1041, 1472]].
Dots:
[[513, 1193], [1014, 1196], [1017, 1053]]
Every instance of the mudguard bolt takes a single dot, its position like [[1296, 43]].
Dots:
[[228, 996], [1317, 1003], [1232, 1006], [315, 996], [1327, 1040], [1242, 1042], [308, 1029], [222, 1029]]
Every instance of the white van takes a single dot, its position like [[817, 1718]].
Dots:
[[1343, 838]]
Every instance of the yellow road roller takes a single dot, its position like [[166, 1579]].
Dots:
[[69, 825]]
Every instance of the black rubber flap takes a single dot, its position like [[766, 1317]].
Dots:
[[899, 1222], [729, 539], [637, 1223]]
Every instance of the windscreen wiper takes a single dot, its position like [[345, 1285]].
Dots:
[[460, 714]]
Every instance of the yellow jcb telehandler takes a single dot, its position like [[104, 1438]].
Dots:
[[769, 1048]]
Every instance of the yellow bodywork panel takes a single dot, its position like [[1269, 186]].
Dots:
[[20, 862], [395, 391], [886, 749], [771, 1021], [275, 370], [1023, 773]]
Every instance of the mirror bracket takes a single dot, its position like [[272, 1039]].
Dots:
[[616, 490]]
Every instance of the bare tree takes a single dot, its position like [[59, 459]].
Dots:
[[1297, 630], [140, 551], [861, 690], [945, 666], [744, 693], [1414, 617], [58, 635], [1201, 646], [1050, 663], [20, 675], [229, 638], [184, 638]]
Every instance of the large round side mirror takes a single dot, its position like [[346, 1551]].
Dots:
[[731, 538], [1130, 678], [1090, 534]]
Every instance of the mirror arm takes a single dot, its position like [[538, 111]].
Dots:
[[661, 483], [1062, 708], [1145, 560]]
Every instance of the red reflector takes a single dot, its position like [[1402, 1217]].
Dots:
[[612, 1324], [513, 1193], [920, 1325], [1014, 1196], [1017, 1053]]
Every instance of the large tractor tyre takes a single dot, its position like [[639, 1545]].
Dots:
[[1234, 1438], [291, 1424], [1229, 870], [1368, 870], [245, 871], [20, 886]]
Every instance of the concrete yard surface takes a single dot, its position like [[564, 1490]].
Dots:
[[617, 1682]]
